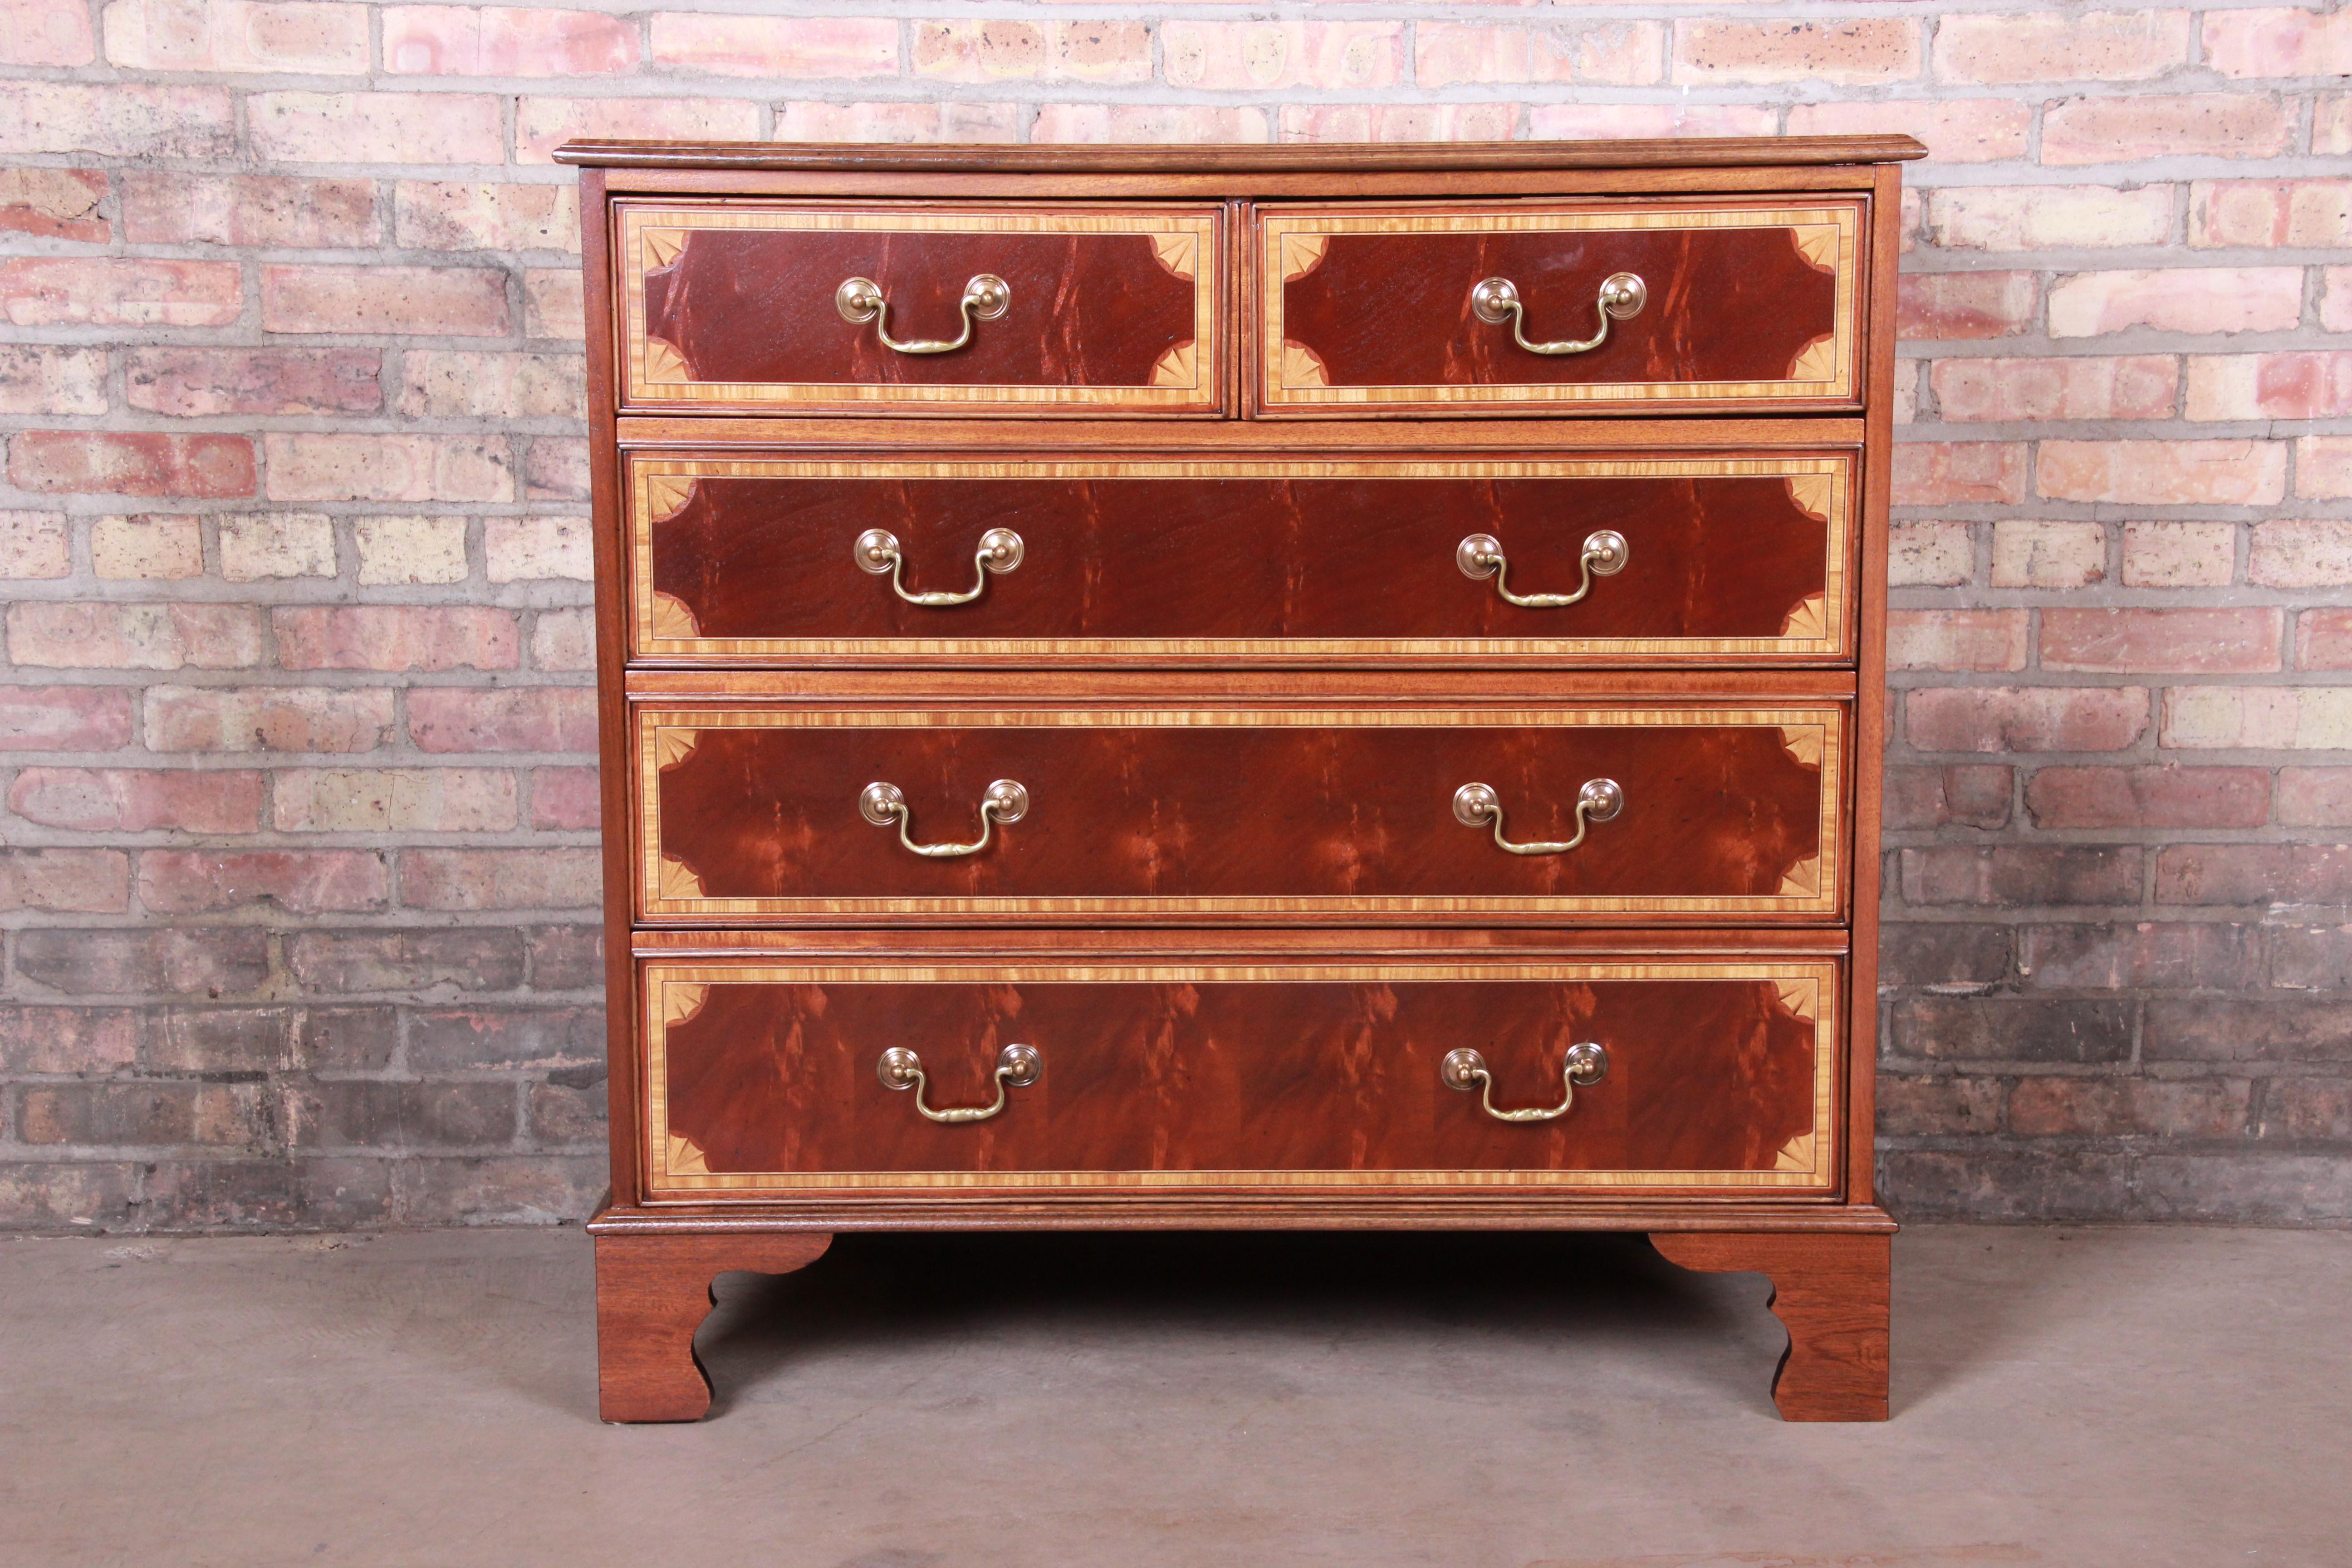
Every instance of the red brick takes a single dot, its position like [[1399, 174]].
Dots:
[[1929, 1107], [2208, 124], [1586, 121], [563, 639], [450, 215], [500, 878], [2189, 642], [247, 209], [563, 798], [64, 717], [543, 124], [39, 380], [2021, 875], [2178, 300], [2043, 218], [1142, 122], [65, 881], [462, 40], [556, 468], [2279, 43], [2135, 386], [1962, 130], [1398, 122], [44, 33], [833, 48], [133, 637], [50, 117], [2301, 552], [2002, 49], [1848, 52], [134, 800], [69, 1039], [376, 128], [552, 305], [1618, 54], [1966, 796], [267, 718], [2256, 874], [2323, 467], [197, 382], [1955, 639], [1259, 57], [306, 37], [89, 291], [2149, 798], [2025, 718], [338, 467], [1965, 304], [2164, 473], [2306, 213], [440, 300], [207, 962], [2115, 1108], [2031, 553], [525, 719], [2323, 639], [1003, 49], [395, 800], [35, 544], [203, 881], [1957, 473], [55, 204], [2174, 954], [131, 463], [1931, 554], [396, 636], [2314, 797], [2292, 385]]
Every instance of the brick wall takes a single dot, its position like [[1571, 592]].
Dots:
[[297, 862]]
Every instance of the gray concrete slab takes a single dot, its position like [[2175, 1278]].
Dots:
[[2076, 1397]]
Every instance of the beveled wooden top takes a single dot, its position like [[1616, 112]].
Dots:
[[1288, 158]]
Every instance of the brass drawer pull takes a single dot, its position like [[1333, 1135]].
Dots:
[[1016, 1065], [985, 298], [1481, 555], [1477, 805], [1000, 550], [1587, 1064], [1496, 300], [884, 804]]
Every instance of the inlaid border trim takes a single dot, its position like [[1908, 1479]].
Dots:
[[650, 236], [659, 738], [1824, 636], [1292, 380], [1808, 1163]]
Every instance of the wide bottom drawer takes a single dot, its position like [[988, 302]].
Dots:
[[767, 1075]]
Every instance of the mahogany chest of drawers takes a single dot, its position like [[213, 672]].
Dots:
[[1286, 688]]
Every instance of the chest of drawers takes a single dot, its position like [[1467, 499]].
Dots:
[[1283, 688]]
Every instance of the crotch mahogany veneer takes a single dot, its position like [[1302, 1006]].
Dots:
[[1251, 687]]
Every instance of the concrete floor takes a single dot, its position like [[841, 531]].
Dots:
[[2076, 1397]]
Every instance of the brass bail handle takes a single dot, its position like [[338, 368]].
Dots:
[[1587, 1065], [1481, 557], [1478, 805], [1496, 300], [1016, 1067], [859, 300], [885, 804], [877, 552]]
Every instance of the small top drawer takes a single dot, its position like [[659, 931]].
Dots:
[[1619, 307], [770, 308]]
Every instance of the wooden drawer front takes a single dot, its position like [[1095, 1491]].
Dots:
[[1726, 557], [1366, 312], [735, 305], [1241, 812], [762, 1075]]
